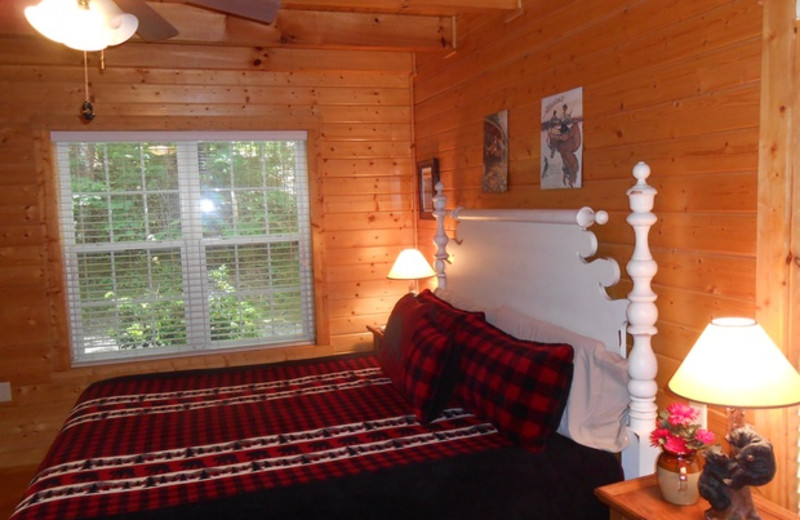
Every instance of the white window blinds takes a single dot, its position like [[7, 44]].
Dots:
[[179, 242]]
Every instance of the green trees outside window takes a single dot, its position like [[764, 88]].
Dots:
[[176, 245]]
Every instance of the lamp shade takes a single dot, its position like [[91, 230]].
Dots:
[[734, 363], [410, 265], [90, 25]]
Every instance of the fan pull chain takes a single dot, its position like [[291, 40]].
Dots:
[[87, 110]]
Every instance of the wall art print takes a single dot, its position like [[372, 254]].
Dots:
[[427, 176], [495, 152], [562, 140]]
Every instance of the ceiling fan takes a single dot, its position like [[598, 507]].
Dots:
[[93, 25], [154, 27]]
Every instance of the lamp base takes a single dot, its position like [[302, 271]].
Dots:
[[726, 479]]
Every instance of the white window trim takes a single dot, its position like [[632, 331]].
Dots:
[[187, 215]]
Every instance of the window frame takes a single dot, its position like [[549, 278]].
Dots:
[[70, 250]]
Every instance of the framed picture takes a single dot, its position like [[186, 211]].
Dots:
[[562, 140], [428, 173], [495, 152]]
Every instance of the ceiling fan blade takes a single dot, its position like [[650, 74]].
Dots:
[[152, 26], [264, 11]]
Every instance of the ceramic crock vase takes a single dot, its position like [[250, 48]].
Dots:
[[678, 476]]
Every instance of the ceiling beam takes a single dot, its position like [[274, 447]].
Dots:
[[310, 29], [360, 30], [442, 7]]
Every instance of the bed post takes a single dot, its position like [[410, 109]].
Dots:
[[639, 458], [440, 238]]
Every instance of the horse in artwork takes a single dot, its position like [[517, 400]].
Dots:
[[565, 138]]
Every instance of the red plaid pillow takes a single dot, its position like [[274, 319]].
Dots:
[[400, 327], [521, 386], [443, 313], [428, 370]]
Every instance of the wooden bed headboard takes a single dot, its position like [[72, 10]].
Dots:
[[541, 263]]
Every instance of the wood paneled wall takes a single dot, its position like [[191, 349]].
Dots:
[[676, 84], [357, 108]]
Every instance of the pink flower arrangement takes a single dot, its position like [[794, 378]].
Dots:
[[677, 430]]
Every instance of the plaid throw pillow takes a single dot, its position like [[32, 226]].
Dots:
[[428, 370], [443, 313], [520, 386]]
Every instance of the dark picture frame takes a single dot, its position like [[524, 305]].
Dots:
[[427, 177]]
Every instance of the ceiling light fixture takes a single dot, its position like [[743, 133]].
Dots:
[[84, 25]]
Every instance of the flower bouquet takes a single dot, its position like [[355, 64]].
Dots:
[[680, 437], [677, 430]]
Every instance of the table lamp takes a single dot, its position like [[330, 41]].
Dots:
[[410, 265], [735, 364]]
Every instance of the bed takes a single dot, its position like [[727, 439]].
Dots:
[[505, 394]]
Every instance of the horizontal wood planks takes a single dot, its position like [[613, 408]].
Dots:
[[676, 84], [357, 108]]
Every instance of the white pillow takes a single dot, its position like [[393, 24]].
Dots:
[[597, 407]]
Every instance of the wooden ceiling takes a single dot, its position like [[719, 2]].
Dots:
[[406, 25]]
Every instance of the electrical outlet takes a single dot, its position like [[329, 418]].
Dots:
[[5, 392]]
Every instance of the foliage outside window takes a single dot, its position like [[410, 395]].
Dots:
[[178, 242]]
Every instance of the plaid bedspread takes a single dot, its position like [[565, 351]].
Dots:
[[144, 443], [323, 439]]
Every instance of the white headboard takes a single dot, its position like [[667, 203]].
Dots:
[[500, 248], [541, 262]]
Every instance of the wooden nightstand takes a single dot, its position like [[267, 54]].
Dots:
[[377, 337], [640, 499]]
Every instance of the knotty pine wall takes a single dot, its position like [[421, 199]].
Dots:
[[357, 109], [673, 83]]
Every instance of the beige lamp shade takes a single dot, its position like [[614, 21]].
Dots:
[[734, 363], [410, 265]]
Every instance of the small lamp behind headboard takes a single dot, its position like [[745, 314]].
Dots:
[[410, 265]]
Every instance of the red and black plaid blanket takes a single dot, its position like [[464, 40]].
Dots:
[[331, 436]]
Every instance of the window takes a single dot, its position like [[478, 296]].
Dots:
[[183, 242]]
